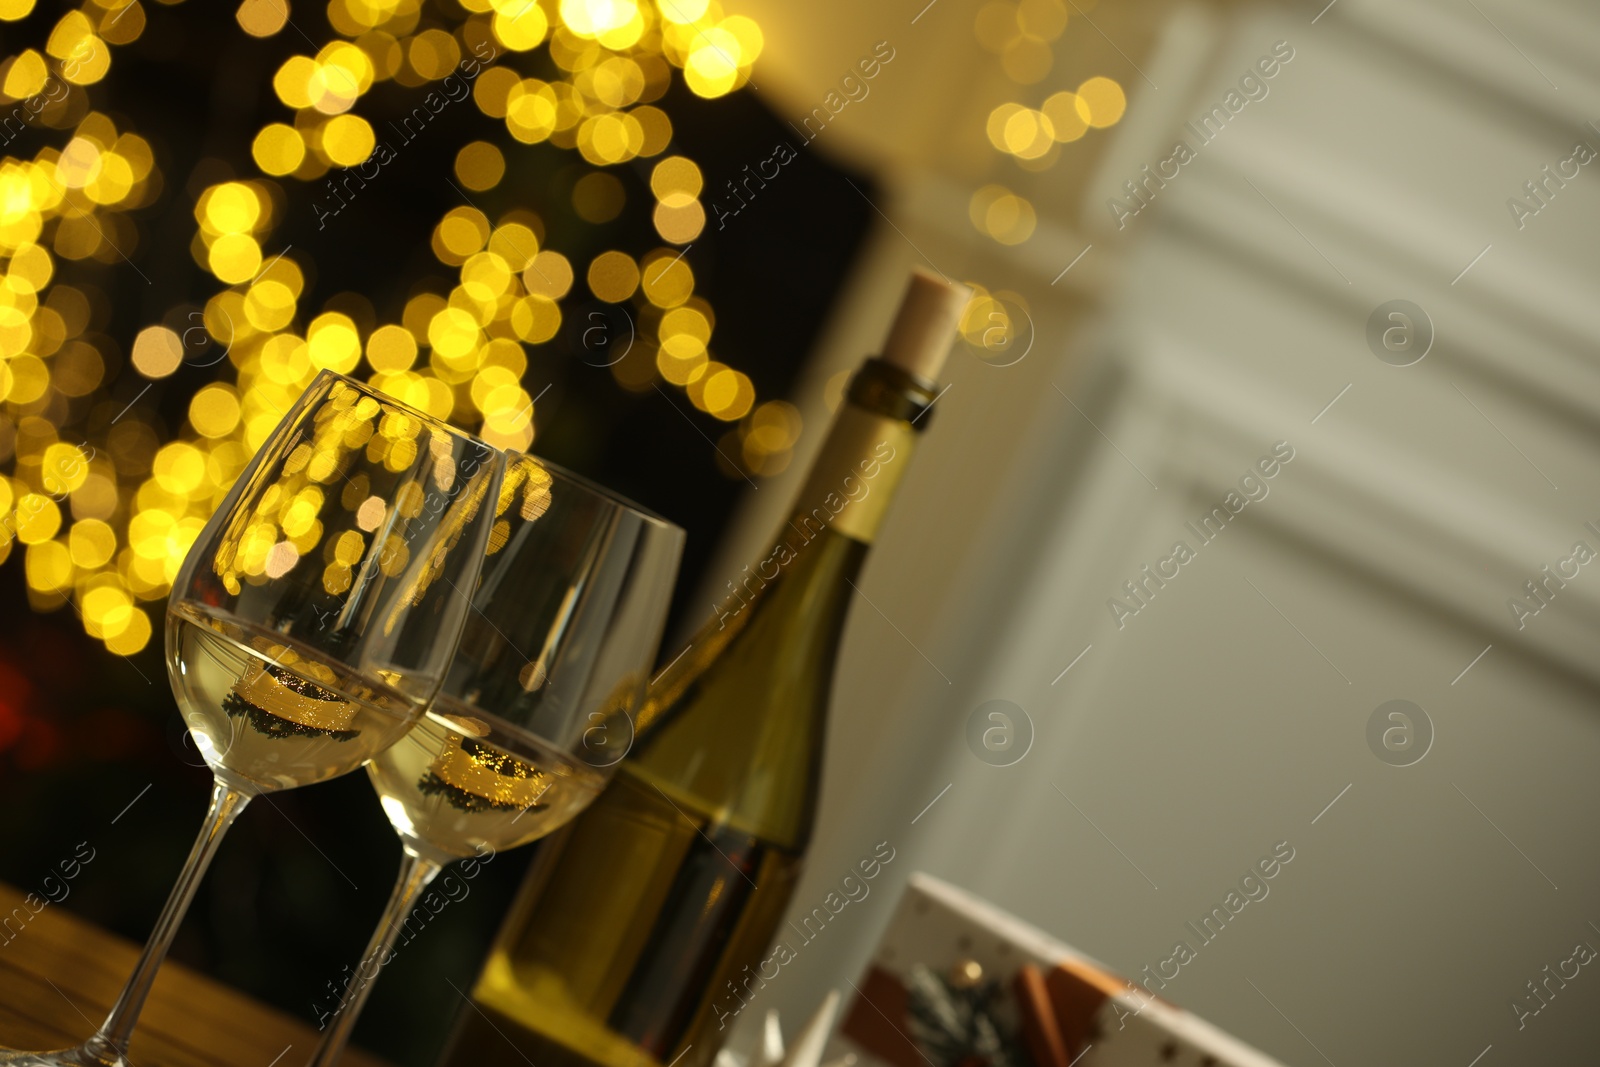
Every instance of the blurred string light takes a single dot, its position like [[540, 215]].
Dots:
[[1021, 33], [104, 502], [997, 325]]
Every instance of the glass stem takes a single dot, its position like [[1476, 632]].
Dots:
[[415, 874], [110, 1043]]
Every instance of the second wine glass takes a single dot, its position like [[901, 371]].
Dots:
[[537, 705]]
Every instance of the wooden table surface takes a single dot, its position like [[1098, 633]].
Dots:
[[60, 974]]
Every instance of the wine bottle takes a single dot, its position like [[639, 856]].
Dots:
[[632, 941]]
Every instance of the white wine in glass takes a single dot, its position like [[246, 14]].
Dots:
[[457, 785], [272, 714], [312, 620]]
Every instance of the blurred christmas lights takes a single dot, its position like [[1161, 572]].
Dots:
[[105, 503]]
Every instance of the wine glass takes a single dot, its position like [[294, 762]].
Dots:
[[313, 620], [537, 706]]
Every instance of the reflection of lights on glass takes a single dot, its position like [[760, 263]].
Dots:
[[396, 812], [207, 747]]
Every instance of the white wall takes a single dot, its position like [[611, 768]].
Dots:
[[1228, 713]]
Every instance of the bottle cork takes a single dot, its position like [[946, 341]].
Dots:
[[925, 325]]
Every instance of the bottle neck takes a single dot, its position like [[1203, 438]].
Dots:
[[821, 548], [855, 475]]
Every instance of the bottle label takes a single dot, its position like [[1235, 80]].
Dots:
[[855, 477]]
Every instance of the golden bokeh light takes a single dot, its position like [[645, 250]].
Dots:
[[26, 76], [768, 435], [333, 342], [613, 276], [104, 505], [132, 637], [492, 91], [520, 26], [548, 275], [214, 411], [269, 305], [682, 362], [1020, 131], [391, 348], [262, 18], [514, 242], [278, 149], [1024, 35], [666, 279], [724, 393], [685, 12], [348, 140], [462, 232], [234, 258], [614, 137], [679, 223], [232, 207], [988, 324], [714, 63], [676, 177], [656, 127], [37, 518], [433, 54], [1066, 119], [48, 567], [1101, 102], [292, 82], [74, 38], [480, 166], [1001, 214], [91, 543], [610, 21], [157, 352]]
